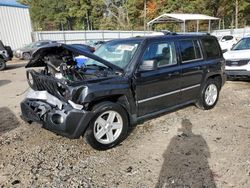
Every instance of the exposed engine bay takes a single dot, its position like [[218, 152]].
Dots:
[[59, 62], [64, 67]]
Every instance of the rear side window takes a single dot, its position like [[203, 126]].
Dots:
[[190, 50], [163, 53], [226, 38], [211, 48]]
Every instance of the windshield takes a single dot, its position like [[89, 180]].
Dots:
[[118, 53], [31, 45], [243, 44]]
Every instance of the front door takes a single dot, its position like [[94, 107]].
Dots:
[[158, 89]]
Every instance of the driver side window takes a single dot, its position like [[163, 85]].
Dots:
[[164, 54]]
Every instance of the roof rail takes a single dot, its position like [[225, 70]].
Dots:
[[194, 33], [167, 32]]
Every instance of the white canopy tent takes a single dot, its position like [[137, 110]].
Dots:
[[182, 18]]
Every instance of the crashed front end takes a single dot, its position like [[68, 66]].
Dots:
[[55, 99], [54, 112]]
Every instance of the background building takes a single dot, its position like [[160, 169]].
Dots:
[[15, 24]]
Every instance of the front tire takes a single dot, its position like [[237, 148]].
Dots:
[[2, 64], [209, 94], [26, 56], [109, 126]]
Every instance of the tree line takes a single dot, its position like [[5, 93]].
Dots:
[[130, 14]]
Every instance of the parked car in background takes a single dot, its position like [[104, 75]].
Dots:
[[226, 42], [124, 82], [161, 32], [26, 52], [96, 43], [6, 54], [238, 59], [84, 47]]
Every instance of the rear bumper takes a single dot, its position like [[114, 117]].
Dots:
[[238, 73], [68, 122]]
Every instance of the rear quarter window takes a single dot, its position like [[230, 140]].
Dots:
[[226, 38], [211, 48]]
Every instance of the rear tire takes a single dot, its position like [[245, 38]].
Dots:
[[109, 126], [209, 94], [2, 64]]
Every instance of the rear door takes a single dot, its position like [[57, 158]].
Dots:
[[193, 67], [158, 89]]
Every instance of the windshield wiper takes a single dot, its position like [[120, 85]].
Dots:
[[102, 67], [95, 65]]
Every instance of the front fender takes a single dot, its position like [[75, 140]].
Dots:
[[118, 91]]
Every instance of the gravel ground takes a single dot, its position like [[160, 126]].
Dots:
[[185, 148]]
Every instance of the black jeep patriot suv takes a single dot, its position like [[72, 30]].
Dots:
[[124, 81]]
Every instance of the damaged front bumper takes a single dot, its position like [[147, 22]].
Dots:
[[66, 119]]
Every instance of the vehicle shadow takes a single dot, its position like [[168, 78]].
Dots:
[[142, 121], [4, 82], [10, 66], [8, 121], [186, 161]]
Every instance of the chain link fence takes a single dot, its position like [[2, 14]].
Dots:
[[70, 37]]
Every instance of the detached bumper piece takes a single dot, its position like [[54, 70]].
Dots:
[[67, 122]]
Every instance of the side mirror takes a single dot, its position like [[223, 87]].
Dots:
[[148, 65]]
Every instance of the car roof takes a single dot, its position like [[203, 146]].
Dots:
[[170, 36], [78, 44]]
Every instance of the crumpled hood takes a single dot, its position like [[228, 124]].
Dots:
[[37, 59], [237, 54]]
